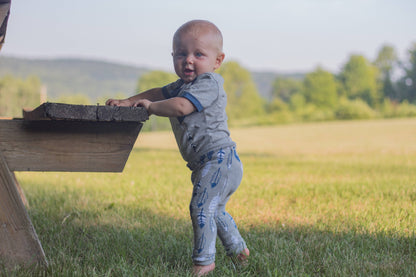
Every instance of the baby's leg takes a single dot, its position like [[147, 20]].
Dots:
[[213, 185], [202, 209], [226, 227], [230, 237]]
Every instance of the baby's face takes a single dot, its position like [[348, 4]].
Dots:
[[196, 54]]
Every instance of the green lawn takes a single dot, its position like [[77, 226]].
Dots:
[[323, 199]]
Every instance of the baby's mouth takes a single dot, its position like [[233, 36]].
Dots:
[[188, 71]]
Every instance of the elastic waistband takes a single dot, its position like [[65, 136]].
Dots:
[[209, 156]]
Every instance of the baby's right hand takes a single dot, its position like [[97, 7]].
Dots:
[[119, 102]]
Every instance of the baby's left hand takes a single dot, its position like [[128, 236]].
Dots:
[[143, 103]]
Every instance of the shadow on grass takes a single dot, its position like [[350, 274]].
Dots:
[[139, 242]]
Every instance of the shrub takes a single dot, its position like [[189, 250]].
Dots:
[[406, 110], [354, 109], [279, 117], [394, 109], [311, 112], [388, 108]]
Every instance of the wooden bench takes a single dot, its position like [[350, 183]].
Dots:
[[57, 137]]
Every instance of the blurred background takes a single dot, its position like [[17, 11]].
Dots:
[[286, 61]]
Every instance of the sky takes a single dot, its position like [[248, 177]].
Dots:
[[262, 35]]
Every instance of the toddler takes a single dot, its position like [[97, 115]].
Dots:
[[195, 105]]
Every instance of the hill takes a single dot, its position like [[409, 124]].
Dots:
[[97, 78], [70, 76], [264, 81]]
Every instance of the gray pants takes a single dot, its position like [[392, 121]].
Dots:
[[214, 182]]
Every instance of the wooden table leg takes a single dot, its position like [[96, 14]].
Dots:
[[19, 244], [20, 190]]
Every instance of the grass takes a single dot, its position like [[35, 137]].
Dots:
[[321, 199]]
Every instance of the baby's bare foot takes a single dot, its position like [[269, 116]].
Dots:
[[243, 257], [202, 270]]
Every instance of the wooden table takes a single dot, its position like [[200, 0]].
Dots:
[[57, 137]]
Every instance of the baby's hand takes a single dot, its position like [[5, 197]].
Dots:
[[117, 102], [143, 103]]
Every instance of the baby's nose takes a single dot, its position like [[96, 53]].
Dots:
[[189, 59]]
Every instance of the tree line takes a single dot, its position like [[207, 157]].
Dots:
[[385, 87], [363, 89]]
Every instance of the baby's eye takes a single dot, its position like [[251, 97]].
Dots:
[[198, 54], [180, 54]]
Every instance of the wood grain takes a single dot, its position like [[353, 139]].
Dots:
[[19, 243], [57, 145], [56, 137]]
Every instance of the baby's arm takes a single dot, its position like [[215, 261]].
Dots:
[[154, 94], [155, 103], [172, 107]]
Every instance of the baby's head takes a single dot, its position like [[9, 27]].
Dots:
[[197, 49]]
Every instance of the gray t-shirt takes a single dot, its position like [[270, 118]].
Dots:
[[205, 130]]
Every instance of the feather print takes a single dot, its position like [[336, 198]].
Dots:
[[209, 155], [223, 224], [202, 198], [211, 248], [220, 156], [201, 243], [201, 218], [213, 205], [232, 220], [236, 155], [224, 186], [230, 159], [196, 188], [205, 169], [212, 225], [234, 240], [215, 179]]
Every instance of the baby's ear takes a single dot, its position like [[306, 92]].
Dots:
[[220, 59]]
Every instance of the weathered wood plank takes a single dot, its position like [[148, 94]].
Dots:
[[120, 114], [58, 111], [19, 243], [57, 145]]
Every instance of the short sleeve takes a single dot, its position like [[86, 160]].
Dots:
[[202, 92], [172, 89]]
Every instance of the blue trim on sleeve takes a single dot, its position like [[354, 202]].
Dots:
[[193, 100], [165, 92], [180, 119]]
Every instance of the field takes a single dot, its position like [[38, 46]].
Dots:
[[321, 199]]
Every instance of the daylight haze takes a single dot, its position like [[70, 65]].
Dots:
[[282, 36]]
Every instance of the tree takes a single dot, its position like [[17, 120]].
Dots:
[[244, 100], [385, 62], [17, 94], [75, 99], [284, 88], [359, 80], [155, 79], [150, 80], [408, 83], [320, 89]]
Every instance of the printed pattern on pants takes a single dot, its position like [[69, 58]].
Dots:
[[214, 182]]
